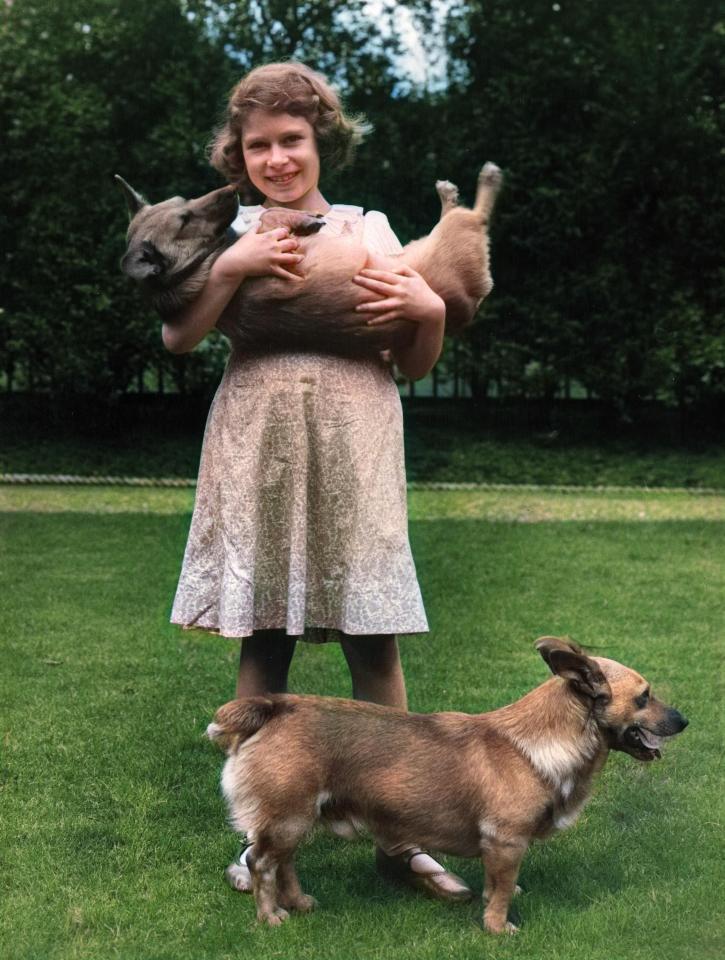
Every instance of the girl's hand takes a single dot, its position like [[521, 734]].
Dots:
[[253, 255], [401, 294], [258, 254]]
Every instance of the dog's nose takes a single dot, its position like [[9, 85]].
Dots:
[[678, 720]]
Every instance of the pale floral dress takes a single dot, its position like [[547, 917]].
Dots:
[[300, 520]]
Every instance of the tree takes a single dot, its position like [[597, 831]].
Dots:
[[606, 119], [341, 40], [89, 88], [93, 87]]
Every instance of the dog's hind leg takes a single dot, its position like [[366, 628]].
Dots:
[[448, 193], [501, 862], [274, 881], [489, 183], [263, 861], [290, 893]]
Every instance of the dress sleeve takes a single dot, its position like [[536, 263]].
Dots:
[[246, 219], [378, 235]]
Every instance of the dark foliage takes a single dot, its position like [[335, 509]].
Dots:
[[608, 119]]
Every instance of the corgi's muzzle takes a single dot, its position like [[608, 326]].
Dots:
[[644, 743]]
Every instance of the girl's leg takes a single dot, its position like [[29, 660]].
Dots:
[[377, 675], [375, 669], [264, 663]]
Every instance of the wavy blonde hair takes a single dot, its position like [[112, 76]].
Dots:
[[290, 88]]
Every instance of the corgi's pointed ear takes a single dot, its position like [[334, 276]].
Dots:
[[546, 645], [567, 660], [134, 200]]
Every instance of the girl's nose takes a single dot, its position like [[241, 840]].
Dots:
[[277, 156]]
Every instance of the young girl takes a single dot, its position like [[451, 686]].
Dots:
[[300, 526]]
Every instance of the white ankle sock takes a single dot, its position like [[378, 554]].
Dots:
[[424, 863]]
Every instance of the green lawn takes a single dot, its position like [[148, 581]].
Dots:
[[112, 831], [453, 447]]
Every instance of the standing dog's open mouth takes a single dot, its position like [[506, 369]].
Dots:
[[643, 744]]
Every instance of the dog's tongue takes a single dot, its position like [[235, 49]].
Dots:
[[650, 740]]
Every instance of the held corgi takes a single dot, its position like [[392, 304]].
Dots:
[[172, 246], [470, 785]]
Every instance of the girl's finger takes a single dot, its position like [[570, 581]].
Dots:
[[279, 233], [285, 274], [379, 306], [290, 243], [378, 286], [368, 296], [386, 318], [389, 276], [288, 257]]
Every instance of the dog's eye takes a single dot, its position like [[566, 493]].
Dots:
[[185, 217], [642, 699]]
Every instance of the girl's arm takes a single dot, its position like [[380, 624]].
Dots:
[[253, 255], [406, 295]]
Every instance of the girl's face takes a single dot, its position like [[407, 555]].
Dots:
[[282, 161]]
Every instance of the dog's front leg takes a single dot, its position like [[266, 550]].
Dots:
[[501, 862]]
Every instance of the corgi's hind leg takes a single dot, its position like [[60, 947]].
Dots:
[[489, 183], [448, 193], [263, 862], [274, 881], [289, 892]]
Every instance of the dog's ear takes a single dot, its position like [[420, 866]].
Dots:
[[567, 660], [545, 646], [143, 260], [134, 200]]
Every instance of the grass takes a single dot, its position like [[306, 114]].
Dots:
[[112, 832], [515, 503], [434, 454], [440, 446]]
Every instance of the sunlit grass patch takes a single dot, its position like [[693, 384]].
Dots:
[[511, 503], [112, 831]]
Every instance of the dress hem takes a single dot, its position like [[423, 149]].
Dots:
[[313, 633]]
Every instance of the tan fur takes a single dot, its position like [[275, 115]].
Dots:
[[474, 786], [172, 259]]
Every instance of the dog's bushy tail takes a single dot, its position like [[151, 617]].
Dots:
[[241, 718]]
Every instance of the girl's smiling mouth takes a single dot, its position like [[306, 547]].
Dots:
[[283, 178]]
